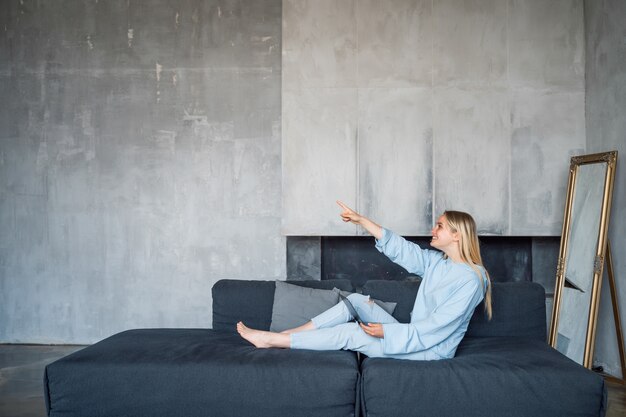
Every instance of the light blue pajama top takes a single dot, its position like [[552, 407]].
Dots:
[[444, 304]]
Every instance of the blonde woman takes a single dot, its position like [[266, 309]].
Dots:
[[454, 282]]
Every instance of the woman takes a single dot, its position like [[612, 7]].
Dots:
[[454, 282]]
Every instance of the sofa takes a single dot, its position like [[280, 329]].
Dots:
[[503, 367]]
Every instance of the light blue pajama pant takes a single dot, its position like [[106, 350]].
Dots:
[[333, 332]]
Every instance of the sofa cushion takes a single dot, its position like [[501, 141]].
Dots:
[[294, 305], [252, 301], [488, 377], [519, 310], [197, 372]]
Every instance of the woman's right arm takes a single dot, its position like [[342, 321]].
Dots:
[[349, 215], [402, 252], [408, 255]]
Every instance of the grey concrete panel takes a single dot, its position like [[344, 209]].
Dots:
[[257, 184], [319, 43], [548, 128], [31, 227], [395, 158], [130, 36], [472, 156], [605, 87], [319, 160], [7, 224], [136, 168], [23, 165], [15, 114], [546, 46], [228, 34], [256, 102], [394, 43], [470, 43]]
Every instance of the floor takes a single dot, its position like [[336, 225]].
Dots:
[[21, 377]]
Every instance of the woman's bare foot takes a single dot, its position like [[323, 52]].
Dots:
[[263, 339]]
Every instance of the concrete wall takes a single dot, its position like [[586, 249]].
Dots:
[[139, 162], [140, 141], [405, 108], [605, 45]]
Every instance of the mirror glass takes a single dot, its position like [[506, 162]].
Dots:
[[579, 266]]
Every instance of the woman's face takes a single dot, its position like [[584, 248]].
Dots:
[[442, 237]]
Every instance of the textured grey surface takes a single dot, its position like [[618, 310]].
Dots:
[[499, 87], [394, 43], [140, 142], [470, 43], [139, 162], [395, 158], [540, 155], [471, 154], [546, 44], [304, 257], [605, 86], [319, 135], [319, 44]]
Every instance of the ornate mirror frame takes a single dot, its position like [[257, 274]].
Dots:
[[609, 159]]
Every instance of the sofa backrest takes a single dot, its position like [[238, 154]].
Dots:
[[519, 308], [252, 301]]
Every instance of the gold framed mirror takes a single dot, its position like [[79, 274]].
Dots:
[[582, 255]]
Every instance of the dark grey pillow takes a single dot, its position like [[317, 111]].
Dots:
[[295, 305]]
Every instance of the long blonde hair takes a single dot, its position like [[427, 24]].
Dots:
[[469, 249]]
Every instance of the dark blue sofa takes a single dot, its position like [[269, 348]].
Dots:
[[502, 368]]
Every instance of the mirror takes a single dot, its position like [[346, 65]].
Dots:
[[581, 256]]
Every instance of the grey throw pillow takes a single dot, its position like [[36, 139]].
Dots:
[[295, 305], [388, 306]]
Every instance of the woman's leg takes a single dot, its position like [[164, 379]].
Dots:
[[306, 326], [346, 336], [335, 315], [369, 311], [338, 336]]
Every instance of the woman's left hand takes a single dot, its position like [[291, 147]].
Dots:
[[373, 329]]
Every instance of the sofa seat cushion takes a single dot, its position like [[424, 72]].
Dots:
[[197, 372], [488, 377]]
